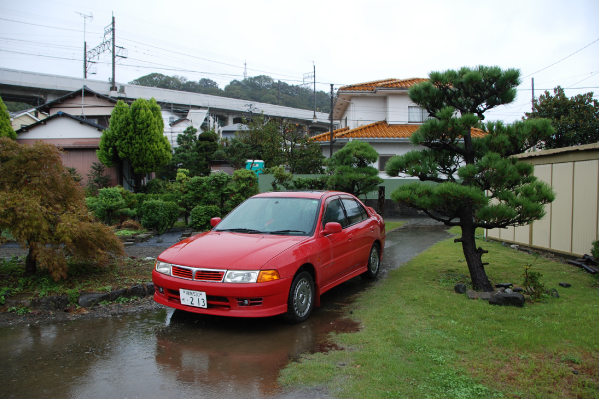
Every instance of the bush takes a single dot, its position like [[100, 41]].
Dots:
[[130, 225], [201, 215], [159, 215], [311, 183], [595, 250], [157, 186]]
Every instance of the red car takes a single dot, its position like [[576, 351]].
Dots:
[[276, 253]]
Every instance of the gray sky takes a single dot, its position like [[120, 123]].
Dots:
[[349, 41]]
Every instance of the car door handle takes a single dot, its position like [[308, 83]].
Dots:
[[349, 237]]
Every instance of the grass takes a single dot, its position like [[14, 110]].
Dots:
[[419, 339], [80, 278], [389, 226]]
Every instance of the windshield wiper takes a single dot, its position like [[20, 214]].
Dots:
[[286, 231], [249, 231]]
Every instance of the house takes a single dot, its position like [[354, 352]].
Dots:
[[379, 113], [79, 138], [25, 118]]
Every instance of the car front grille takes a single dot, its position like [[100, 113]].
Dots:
[[192, 273]]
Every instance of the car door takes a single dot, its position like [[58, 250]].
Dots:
[[361, 230], [335, 253]]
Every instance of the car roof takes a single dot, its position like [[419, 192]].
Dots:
[[316, 194]]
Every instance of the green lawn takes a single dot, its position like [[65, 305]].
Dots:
[[420, 339], [393, 225]]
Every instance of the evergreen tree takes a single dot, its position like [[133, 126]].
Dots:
[[6, 129], [351, 171], [479, 183], [575, 119], [136, 134], [96, 178]]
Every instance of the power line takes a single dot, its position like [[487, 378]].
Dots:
[[577, 51]]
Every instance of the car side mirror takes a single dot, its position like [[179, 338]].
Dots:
[[332, 228], [214, 221]]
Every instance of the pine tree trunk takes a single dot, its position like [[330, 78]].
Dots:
[[30, 262], [473, 256]]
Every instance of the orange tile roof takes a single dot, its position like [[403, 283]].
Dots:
[[383, 84], [379, 130]]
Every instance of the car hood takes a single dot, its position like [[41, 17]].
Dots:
[[226, 250]]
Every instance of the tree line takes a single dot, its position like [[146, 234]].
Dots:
[[258, 88]]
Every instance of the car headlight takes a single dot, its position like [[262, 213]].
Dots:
[[241, 276], [163, 267]]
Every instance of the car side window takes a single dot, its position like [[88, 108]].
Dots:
[[355, 212], [334, 213]]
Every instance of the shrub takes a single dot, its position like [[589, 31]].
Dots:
[[201, 215], [245, 185], [159, 215], [130, 225], [595, 249], [311, 183], [157, 186]]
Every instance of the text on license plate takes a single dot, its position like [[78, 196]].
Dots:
[[193, 298]]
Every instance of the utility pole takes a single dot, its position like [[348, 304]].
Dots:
[[113, 87], [314, 91], [85, 17], [533, 94], [331, 126]]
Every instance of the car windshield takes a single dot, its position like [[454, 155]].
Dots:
[[285, 216]]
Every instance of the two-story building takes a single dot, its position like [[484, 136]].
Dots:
[[379, 113]]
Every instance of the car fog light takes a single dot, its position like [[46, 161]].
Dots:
[[245, 302]]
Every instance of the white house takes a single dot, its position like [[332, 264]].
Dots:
[[379, 113]]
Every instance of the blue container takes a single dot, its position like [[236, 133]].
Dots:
[[257, 165]]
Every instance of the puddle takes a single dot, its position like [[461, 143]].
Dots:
[[173, 354]]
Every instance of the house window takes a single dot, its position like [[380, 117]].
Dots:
[[417, 114], [383, 161]]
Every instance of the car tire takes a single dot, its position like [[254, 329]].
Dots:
[[301, 298], [374, 263]]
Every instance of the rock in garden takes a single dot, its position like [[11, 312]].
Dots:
[[478, 295], [553, 292], [159, 241], [503, 285], [460, 288], [149, 258], [514, 246], [508, 291], [518, 289], [88, 300], [138, 290], [504, 299], [565, 285]]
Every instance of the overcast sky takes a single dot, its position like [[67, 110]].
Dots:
[[349, 41]]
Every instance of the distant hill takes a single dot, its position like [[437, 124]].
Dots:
[[258, 88]]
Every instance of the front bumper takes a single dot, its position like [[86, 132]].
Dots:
[[225, 299]]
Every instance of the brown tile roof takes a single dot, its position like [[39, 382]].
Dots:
[[383, 84], [379, 130]]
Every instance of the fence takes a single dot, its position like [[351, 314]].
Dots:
[[572, 220]]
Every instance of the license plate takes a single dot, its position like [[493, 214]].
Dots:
[[193, 298]]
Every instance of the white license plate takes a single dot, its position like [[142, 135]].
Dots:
[[193, 298]]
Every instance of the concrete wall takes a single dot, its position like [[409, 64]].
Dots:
[[572, 220]]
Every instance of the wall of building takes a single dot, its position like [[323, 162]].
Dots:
[[364, 111], [571, 222], [92, 106]]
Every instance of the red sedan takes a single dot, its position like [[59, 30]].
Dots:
[[274, 254]]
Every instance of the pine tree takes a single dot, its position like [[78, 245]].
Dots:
[[351, 171], [479, 183]]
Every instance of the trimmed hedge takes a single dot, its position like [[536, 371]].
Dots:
[[201, 215], [160, 215]]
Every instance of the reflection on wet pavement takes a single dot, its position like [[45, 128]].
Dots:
[[173, 354]]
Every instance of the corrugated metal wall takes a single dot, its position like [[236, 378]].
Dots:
[[572, 220]]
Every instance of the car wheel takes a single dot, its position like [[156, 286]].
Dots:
[[374, 263], [301, 298]]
